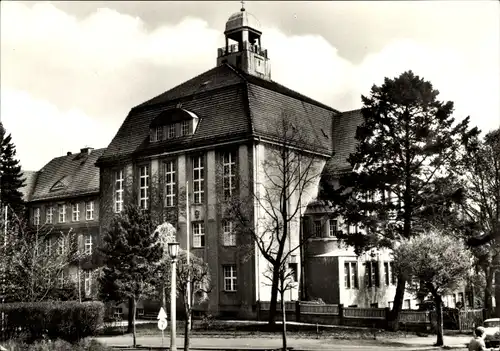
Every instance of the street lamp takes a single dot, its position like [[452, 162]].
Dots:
[[173, 251]]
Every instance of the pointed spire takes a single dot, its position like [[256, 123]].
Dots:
[[242, 5]]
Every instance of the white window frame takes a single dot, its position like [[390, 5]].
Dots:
[[198, 179], [118, 195], [36, 216], [228, 234], [88, 244], [351, 275], [62, 213], [171, 131], [144, 186], [48, 246], [230, 278], [198, 234], [169, 183], [318, 229], [75, 210], [87, 282], [89, 210], [185, 127], [49, 215], [159, 133], [61, 278], [61, 246], [333, 233], [229, 173]]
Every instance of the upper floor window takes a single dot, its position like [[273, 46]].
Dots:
[[171, 131], [333, 228], [143, 186], [36, 216], [89, 210], [88, 244], [389, 275], [169, 183], [49, 215], [318, 228], [76, 212], [159, 133], [118, 196], [185, 128], [229, 237], [293, 272], [229, 173], [62, 213], [198, 234], [198, 179]]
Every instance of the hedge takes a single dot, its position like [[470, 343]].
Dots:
[[68, 320]]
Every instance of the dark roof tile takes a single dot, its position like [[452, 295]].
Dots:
[[77, 172], [29, 184]]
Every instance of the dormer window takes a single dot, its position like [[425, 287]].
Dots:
[[159, 133], [171, 131], [185, 128], [173, 123]]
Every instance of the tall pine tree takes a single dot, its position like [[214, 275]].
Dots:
[[131, 253], [407, 144], [11, 176]]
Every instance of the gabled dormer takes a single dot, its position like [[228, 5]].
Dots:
[[173, 123]]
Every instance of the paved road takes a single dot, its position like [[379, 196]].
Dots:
[[222, 343]]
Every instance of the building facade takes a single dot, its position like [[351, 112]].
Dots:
[[63, 205]]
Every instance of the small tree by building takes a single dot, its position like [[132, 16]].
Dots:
[[131, 254], [434, 263]]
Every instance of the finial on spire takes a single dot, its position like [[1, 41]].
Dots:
[[242, 5]]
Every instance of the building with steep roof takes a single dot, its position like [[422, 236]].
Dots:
[[63, 202], [222, 119]]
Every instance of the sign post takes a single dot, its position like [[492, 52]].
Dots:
[[162, 323]]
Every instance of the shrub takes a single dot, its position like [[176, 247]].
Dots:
[[69, 320], [57, 345]]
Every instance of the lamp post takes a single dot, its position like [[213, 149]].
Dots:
[[173, 250]]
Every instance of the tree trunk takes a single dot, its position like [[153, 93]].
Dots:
[[274, 296], [393, 323], [133, 322], [497, 293], [439, 322], [283, 314], [488, 291], [131, 306], [186, 327]]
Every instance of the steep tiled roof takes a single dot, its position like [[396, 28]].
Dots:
[[27, 189], [230, 104], [68, 176], [344, 142]]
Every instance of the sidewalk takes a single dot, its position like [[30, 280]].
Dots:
[[249, 343]]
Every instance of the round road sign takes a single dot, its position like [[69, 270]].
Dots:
[[162, 324]]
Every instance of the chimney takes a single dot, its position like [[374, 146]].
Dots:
[[68, 153], [86, 150]]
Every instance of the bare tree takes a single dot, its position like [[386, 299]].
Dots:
[[35, 262], [268, 209], [287, 281]]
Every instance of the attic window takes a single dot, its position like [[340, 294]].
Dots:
[[172, 123], [59, 185]]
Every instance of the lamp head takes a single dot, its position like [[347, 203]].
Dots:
[[173, 249]]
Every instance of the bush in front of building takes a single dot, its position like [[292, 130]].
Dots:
[[57, 345], [67, 320]]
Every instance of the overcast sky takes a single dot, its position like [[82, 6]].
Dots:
[[71, 71]]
